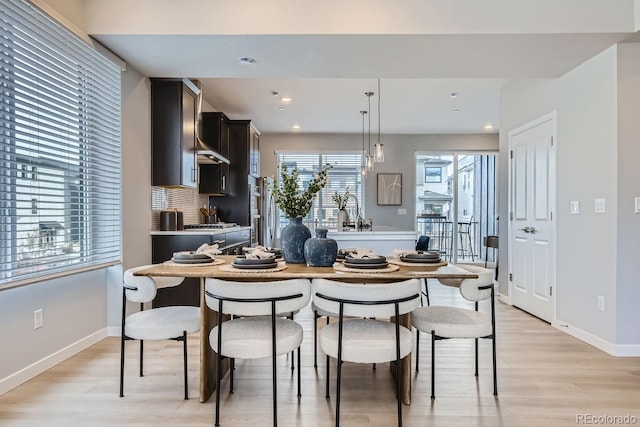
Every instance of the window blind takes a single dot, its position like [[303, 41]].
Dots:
[[345, 174], [59, 149]]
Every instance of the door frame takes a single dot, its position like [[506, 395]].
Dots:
[[553, 117]]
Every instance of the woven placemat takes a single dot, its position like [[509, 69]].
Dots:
[[204, 264], [231, 269], [431, 265], [338, 266]]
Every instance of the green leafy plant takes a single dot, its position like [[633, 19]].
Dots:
[[292, 198], [341, 199]]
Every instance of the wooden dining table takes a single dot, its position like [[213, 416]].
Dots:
[[208, 317]]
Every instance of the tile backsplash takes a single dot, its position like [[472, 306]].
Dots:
[[188, 200]]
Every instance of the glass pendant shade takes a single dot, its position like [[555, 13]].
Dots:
[[369, 163], [378, 153]]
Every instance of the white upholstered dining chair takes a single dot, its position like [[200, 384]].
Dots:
[[363, 339], [257, 328], [444, 322], [163, 323]]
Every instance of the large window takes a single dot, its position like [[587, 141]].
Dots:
[[456, 206], [345, 174], [59, 149]]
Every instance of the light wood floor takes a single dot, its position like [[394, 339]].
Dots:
[[545, 378]]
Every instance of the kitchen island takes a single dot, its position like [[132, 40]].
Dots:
[[380, 239]]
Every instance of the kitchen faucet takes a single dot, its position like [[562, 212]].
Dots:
[[358, 219]]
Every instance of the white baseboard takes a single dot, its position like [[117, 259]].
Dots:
[[35, 369], [504, 298], [619, 350], [114, 331]]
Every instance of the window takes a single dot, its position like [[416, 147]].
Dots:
[[432, 174], [59, 149], [345, 174]]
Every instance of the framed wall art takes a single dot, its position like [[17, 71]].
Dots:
[[389, 189]]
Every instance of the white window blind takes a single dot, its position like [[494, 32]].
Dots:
[[345, 173], [59, 150]]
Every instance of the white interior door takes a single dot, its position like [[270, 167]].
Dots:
[[532, 235]]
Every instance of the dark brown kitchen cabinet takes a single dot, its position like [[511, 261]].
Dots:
[[215, 179], [162, 249], [242, 188], [173, 133], [254, 151]]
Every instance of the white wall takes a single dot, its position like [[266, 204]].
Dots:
[[628, 231], [588, 245], [399, 156], [75, 316]]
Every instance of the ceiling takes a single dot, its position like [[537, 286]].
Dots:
[[327, 72]]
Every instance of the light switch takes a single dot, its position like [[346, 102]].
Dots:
[[574, 207], [402, 211], [637, 205], [599, 206]]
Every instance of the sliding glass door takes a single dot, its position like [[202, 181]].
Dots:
[[456, 204]]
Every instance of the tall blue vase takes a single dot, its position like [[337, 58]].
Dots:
[[292, 241], [320, 251]]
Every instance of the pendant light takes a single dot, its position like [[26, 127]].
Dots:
[[363, 165], [369, 156], [378, 149]]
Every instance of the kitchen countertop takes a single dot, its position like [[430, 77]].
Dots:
[[196, 231], [379, 230]]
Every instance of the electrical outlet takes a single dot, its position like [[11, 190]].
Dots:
[[38, 319], [600, 303], [402, 211]]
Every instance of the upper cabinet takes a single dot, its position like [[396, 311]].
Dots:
[[215, 179], [254, 151], [245, 138], [173, 133]]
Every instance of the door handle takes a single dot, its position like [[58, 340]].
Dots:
[[531, 230]]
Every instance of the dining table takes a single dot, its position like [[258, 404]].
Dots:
[[222, 269]]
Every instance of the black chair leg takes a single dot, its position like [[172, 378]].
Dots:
[[273, 364], [326, 394], [218, 375], [232, 368], [476, 348], [433, 365], [426, 292], [122, 365], [184, 347], [417, 350], [338, 382], [315, 339], [495, 381], [299, 374], [141, 351]]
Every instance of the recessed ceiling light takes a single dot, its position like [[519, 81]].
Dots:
[[247, 60], [280, 108], [275, 93], [295, 127], [286, 99], [488, 126], [456, 111], [453, 94]]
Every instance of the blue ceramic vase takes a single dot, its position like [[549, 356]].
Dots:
[[292, 241], [320, 251]]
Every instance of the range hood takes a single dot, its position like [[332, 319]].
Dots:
[[206, 154]]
